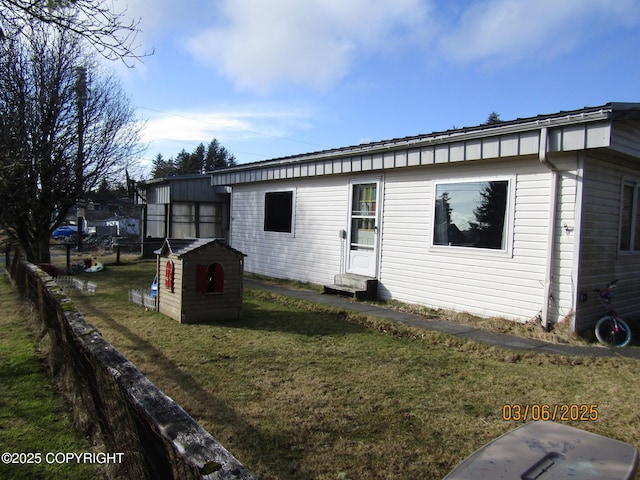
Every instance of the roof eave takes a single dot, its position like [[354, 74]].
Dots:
[[592, 114]]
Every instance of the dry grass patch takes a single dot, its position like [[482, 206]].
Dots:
[[297, 390], [560, 333]]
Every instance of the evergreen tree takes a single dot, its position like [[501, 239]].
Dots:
[[184, 163], [493, 119], [162, 168], [218, 157], [442, 219], [197, 159], [201, 160], [487, 230]]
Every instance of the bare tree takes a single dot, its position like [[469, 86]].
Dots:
[[64, 128], [110, 31]]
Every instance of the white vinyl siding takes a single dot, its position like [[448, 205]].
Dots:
[[601, 258], [313, 252], [562, 304], [473, 280], [482, 281]]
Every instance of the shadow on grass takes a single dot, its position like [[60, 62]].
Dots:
[[256, 316], [216, 410], [275, 450]]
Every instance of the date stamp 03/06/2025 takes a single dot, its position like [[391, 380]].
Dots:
[[559, 412]]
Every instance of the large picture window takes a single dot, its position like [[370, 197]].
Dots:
[[210, 220], [472, 214], [183, 219], [630, 222], [278, 211], [156, 220]]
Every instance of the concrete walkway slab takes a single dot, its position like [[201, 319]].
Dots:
[[482, 336]]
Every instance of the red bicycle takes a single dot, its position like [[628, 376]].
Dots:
[[611, 330]]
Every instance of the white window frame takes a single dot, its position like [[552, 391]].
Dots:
[[459, 250], [293, 211]]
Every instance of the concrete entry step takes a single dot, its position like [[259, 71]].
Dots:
[[355, 286]]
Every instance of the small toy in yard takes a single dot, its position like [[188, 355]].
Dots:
[[92, 265], [153, 291]]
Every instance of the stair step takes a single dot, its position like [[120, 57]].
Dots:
[[351, 280], [355, 286], [345, 291]]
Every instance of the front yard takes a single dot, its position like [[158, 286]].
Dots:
[[297, 390]]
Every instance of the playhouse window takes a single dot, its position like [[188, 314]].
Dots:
[[278, 211], [630, 221], [472, 214], [215, 278], [211, 278], [170, 276]]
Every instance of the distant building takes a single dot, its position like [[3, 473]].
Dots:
[[182, 207]]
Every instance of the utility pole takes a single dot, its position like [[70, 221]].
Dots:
[[81, 100]]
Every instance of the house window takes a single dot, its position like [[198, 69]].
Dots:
[[155, 220], [472, 214], [210, 217], [183, 220], [278, 211], [630, 221]]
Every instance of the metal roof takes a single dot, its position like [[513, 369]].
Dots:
[[589, 127]]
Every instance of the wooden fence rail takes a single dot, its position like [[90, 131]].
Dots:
[[113, 400]]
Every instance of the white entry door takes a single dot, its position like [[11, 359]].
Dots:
[[362, 255]]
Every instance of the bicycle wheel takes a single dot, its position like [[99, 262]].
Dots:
[[613, 333]]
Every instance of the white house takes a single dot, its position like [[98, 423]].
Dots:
[[124, 226], [518, 219]]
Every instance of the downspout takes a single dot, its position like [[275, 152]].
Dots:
[[551, 234]]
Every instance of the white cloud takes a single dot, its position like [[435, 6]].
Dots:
[[312, 43], [260, 45], [158, 16], [513, 30], [193, 127]]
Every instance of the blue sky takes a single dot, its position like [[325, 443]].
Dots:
[[273, 78]]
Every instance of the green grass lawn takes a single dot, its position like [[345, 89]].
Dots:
[[297, 390], [33, 417]]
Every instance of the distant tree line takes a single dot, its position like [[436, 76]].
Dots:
[[201, 160]]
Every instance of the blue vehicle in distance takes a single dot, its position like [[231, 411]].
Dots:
[[64, 231]]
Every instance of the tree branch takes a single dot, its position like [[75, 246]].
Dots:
[[110, 32]]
